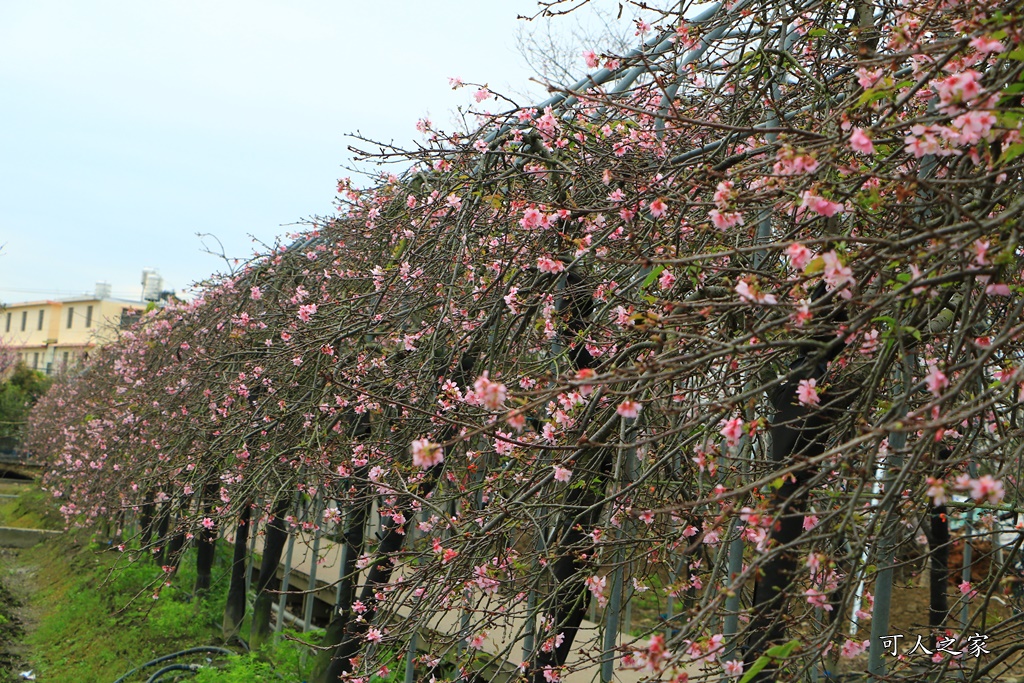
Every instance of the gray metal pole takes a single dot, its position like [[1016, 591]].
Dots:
[[886, 546], [410, 664], [282, 602], [965, 611], [251, 558], [613, 612], [310, 597], [611, 622]]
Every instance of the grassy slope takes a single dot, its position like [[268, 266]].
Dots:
[[95, 623]]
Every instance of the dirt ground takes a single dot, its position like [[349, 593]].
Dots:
[[18, 617], [909, 618]]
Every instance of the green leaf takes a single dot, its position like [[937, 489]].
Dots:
[[652, 276], [912, 331], [1017, 55], [816, 266], [777, 652], [870, 95], [782, 651], [755, 668], [817, 32], [1011, 152]]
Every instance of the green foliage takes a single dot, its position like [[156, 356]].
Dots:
[[99, 618], [17, 396], [32, 509], [96, 625], [285, 660], [238, 670]]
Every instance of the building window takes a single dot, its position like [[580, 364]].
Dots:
[[41, 312], [71, 315], [35, 361], [8, 323], [88, 316], [65, 359], [24, 320]]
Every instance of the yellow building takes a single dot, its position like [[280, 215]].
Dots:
[[51, 336]]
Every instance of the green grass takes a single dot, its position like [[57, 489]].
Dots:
[[97, 618], [96, 625], [32, 509]]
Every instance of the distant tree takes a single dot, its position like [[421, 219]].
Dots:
[[18, 393]]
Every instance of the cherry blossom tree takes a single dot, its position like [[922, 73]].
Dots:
[[729, 322]]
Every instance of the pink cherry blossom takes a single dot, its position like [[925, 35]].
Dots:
[[596, 585], [591, 58], [807, 392], [987, 488], [986, 45], [562, 474], [628, 409], [724, 194], [753, 294], [958, 88], [658, 208], [860, 142], [306, 312], [732, 431], [819, 205], [936, 380], [532, 218], [546, 264], [867, 78], [836, 274], [724, 221], [491, 394], [852, 648], [426, 453], [818, 599], [733, 668], [799, 255]]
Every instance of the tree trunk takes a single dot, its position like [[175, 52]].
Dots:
[[273, 545], [938, 574], [571, 598], [175, 549], [392, 541], [798, 432], [355, 536], [146, 521], [205, 545], [163, 525], [379, 576], [234, 608]]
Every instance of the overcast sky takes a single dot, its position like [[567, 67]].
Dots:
[[127, 127]]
